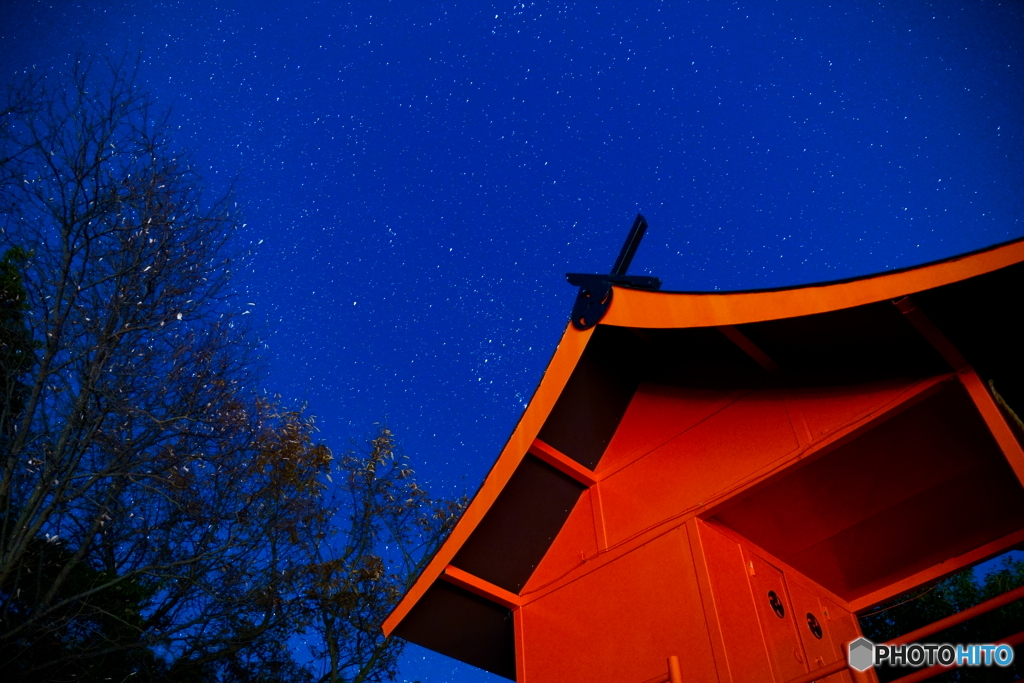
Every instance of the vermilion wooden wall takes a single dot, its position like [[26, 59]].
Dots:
[[705, 501]]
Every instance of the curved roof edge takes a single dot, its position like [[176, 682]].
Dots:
[[556, 375], [657, 309], [653, 310]]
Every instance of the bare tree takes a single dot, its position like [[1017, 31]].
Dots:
[[160, 519], [138, 511]]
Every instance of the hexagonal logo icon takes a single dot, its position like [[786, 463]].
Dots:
[[861, 654]]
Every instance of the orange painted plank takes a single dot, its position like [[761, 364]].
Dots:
[[656, 415], [707, 599], [519, 628], [646, 309], [600, 528], [708, 462], [829, 409], [477, 586], [674, 674], [745, 646], [960, 617], [563, 463]]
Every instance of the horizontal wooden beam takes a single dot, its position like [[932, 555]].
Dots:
[[477, 586], [930, 630], [563, 463], [960, 617]]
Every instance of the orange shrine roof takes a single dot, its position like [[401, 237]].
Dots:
[[812, 335]]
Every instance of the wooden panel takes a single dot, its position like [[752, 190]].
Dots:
[[620, 623], [477, 586], [916, 489], [689, 470], [656, 415], [844, 628], [827, 648], [778, 619], [828, 409], [745, 647], [921, 531], [562, 462], [863, 477]]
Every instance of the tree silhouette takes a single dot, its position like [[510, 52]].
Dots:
[[161, 518]]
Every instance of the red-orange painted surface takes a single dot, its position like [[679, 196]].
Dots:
[[713, 493], [563, 463], [478, 586], [644, 616], [645, 309]]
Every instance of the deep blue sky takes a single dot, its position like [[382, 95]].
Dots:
[[418, 176]]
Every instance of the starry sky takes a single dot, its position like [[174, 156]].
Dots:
[[418, 176]]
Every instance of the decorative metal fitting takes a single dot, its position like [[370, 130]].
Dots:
[[595, 295]]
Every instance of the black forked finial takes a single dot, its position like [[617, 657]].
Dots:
[[636, 233], [595, 295]]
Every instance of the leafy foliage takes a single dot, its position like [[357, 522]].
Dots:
[[393, 529], [160, 518]]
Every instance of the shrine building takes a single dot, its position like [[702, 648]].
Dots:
[[710, 486]]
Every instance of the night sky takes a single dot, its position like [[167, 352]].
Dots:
[[417, 177]]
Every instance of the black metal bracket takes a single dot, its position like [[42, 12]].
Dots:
[[595, 295]]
